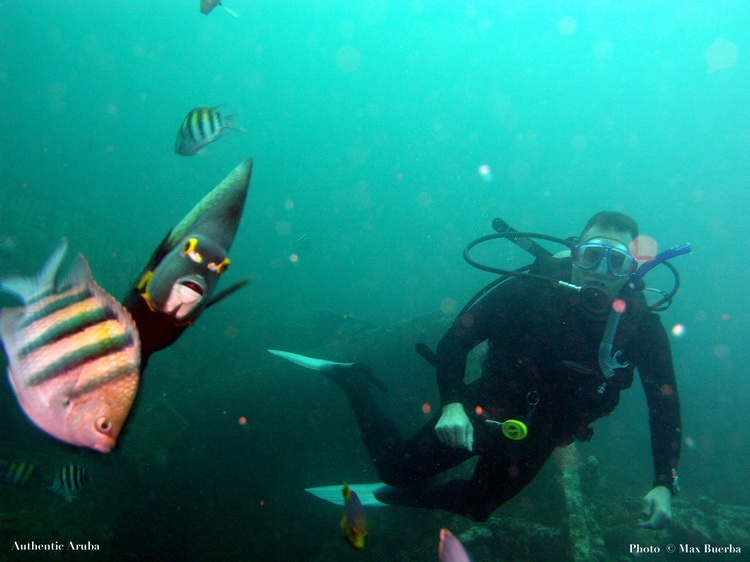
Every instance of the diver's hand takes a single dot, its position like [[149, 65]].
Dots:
[[657, 508], [454, 428]]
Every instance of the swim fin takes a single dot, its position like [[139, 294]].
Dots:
[[332, 369], [365, 492]]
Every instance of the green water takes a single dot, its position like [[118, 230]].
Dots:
[[370, 123]]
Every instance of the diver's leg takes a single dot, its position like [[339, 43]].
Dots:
[[399, 462], [496, 479]]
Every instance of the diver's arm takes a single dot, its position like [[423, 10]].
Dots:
[[473, 327], [657, 508], [657, 375], [454, 427], [452, 353]]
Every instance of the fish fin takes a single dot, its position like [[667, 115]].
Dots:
[[164, 247], [365, 492], [230, 122], [25, 288], [230, 12], [9, 318], [55, 488], [78, 274], [233, 288]]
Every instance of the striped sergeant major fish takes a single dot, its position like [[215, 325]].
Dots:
[[201, 127], [71, 481], [208, 5], [73, 354], [18, 473]]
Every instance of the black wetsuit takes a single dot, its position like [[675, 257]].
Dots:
[[541, 368]]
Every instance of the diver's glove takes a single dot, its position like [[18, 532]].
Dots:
[[454, 428], [657, 508]]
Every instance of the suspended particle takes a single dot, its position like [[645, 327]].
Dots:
[[567, 26], [448, 306]]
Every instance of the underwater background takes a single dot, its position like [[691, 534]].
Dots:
[[386, 135]]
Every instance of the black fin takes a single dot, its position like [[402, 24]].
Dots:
[[427, 354], [221, 295]]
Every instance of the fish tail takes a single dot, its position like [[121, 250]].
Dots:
[[29, 289], [231, 122], [230, 12]]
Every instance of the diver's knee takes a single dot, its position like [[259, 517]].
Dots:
[[480, 514], [394, 480]]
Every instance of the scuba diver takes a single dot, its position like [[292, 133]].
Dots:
[[565, 336], [176, 284]]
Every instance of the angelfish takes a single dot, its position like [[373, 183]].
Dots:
[[73, 354], [176, 284], [353, 522]]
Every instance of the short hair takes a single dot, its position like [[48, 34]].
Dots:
[[612, 220]]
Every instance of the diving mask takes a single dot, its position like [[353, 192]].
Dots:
[[590, 254]]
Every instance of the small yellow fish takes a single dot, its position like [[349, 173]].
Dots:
[[353, 523]]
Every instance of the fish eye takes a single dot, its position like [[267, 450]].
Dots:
[[189, 250], [103, 425], [219, 268]]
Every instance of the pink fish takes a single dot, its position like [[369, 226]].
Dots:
[[451, 549], [73, 354]]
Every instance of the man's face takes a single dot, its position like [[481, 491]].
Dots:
[[600, 277]]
